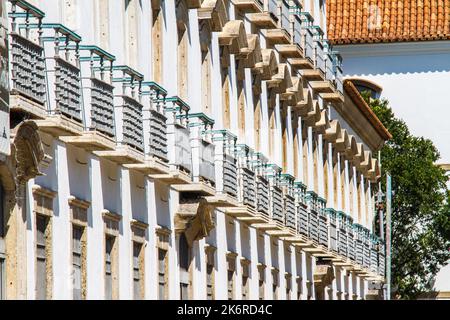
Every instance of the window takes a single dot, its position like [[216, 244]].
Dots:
[[210, 278], [231, 267], [41, 257], [111, 224], [138, 238], [205, 40], [78, 212], [137, 271], [43, 210], [2, 279], [184, 260], [182, 51], [275, 284], [261, 270], [77, 233], [245, 281], [163, 267], [299, 288], [157, 41], [230, 284], [288, 278], [109, 244], [162, 283], [364, 85]]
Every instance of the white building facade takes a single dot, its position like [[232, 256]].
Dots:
[[185, 150]]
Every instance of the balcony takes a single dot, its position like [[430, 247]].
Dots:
[[225, 165], [287, 185], [293, 51], [267, 19], [262, 195], [129, 117], [366, 248], [342, 233], [259, 163], [249, 6], [64, 106], [179, 154], [322, 222], [157, 126], [333, 233], [98, 100], [313, 221], [350, 238], [276, 195], [381, 259], [153, 99], [246, 177], [303, 36], [359, 247], [280, 10], [374, 244], [27, 61], [28, 76], [302, 208], [203, 169]]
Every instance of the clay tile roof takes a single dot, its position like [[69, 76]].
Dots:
[[366, 21]]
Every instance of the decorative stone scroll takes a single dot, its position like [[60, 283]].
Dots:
[[29, 152], [270, 64], [323, 277], [281, 81], [332, 132], [214, 11], [296, 90], [352, 148], [234, 36], [342, 141], [195, 219], [254, 59]]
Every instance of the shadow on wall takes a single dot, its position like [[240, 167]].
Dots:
[[398, 64]]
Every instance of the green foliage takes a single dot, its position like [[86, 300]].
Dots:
[[420, 206]]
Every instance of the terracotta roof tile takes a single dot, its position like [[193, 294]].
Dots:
[[362, 21]]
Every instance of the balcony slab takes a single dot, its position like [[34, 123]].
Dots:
[[265, 226], [196, 187], [122, 155], [173, 177], [332, 96], [278, 233], [248, 6], [277, 36], [151, 165], [240, 211], [262, 20], [301, 63], [289, 50], [90, 141], [222, 201], [322, 86], [20, 103], [312, 75], [59, 125]]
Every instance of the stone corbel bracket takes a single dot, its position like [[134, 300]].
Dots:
[[234, 36], [195, 219], [323, 275], [28, 152], [215, 12]]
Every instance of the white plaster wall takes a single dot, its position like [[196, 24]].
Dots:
[[415, 79], [130, 194]]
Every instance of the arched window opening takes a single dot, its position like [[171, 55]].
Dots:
[[184, 258]]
